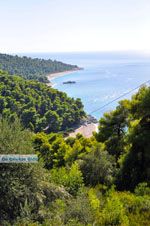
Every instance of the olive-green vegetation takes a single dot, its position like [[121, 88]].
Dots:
[[38, 106], [29, 68], [103, 180], [126, 135]]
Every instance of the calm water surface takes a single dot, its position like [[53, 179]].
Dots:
[[105, 76]]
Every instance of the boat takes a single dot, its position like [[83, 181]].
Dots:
[[69, 82]]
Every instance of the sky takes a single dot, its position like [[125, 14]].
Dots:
[[74, 25]]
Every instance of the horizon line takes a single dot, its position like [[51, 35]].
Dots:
[[85, 51]]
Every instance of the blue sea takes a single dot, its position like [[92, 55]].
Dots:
[[106, 76]]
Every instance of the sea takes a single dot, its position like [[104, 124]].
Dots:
[[106, 78]]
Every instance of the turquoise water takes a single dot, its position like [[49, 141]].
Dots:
[[105, 77]]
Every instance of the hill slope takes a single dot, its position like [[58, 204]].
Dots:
[[38, 105], [29, 68]]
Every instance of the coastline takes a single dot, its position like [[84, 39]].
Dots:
[[85, 130], [52, 76]]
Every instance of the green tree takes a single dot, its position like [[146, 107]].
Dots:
[[71, 178], [53, 121], [135, 167], [41, 108], [112, 127], [19, 183], [97, 167], [2, 104], [29, 117]]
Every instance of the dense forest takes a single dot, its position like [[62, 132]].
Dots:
[[29, 68], [103, 180], [37, 105]]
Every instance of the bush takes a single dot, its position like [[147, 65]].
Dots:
[[70, 178], [97, 167]]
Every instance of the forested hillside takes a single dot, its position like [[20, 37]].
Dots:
[[103, 180], [38, 106], [122, 145], [29, 68]]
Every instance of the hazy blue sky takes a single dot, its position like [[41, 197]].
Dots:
[[74, 25]]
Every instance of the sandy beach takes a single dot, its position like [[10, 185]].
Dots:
[[85, 130], [59, 74]]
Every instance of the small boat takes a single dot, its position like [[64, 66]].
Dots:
[[69, 82]]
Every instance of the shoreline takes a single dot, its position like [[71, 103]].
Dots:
[[52, 76], [85, 129]]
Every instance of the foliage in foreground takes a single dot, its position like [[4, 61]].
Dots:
[[125, 132], [32, 195], [81, 181]]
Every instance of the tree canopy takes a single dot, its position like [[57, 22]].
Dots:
[[126, 135], [38, 106], [101, 180], [32, 68]]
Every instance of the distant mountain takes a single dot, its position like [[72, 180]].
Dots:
[[30, 68]]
